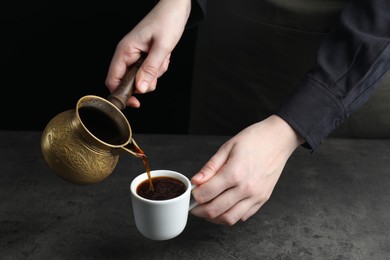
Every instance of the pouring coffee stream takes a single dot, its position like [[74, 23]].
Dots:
[[83, 145]]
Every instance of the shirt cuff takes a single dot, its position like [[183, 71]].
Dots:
[[313, 111]]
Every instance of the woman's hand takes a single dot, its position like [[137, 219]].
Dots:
[[156, 34], [241, 176]]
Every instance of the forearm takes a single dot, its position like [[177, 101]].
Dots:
[[181, 7]]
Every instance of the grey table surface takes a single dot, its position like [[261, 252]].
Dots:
[[333, 204]]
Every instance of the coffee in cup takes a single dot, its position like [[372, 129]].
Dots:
[[163, 188]]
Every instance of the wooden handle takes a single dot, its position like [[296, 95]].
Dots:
[[127, 86]]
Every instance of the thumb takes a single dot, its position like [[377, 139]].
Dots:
[[149, 70], [212, 167]]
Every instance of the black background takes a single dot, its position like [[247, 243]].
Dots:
[[54, 53]]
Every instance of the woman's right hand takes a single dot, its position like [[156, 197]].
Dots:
[[157, 35]]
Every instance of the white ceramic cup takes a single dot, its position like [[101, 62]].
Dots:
[[161, 219]]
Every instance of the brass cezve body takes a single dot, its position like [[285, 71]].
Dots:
[[74, 152]]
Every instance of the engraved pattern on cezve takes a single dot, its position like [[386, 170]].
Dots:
[[76, 155]]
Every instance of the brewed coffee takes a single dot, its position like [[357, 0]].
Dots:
[[164, 188]]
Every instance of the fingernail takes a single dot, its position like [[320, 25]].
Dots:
[[198, 177], [143, 86]]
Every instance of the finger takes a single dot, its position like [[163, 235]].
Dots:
[[133, 102], [235, 213], [241, 210], [219, 204], [165, 66], [149, 70], [212, 166], [251, 211], [118, 66], [153, 85]]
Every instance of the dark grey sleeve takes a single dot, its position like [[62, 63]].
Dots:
[[198, 11], [350, 64]]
